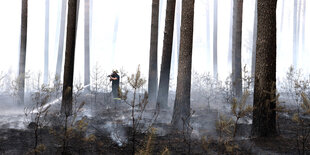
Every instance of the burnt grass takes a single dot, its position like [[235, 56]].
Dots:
[[21, 141]]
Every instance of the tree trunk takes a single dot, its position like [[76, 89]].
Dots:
[[230, 49], [215, 73], [22, 54], [303, 33], [181, 111], [208, 35], [295, 34], [153, 79], [61, 38], [86, 47], [66, 106], [176, 41], [114, 61], [162, 97], [46, 41], [264, 114], [254, 40], [236, 48], [282, 16]]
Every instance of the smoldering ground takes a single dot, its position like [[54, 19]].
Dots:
[[101, 123]]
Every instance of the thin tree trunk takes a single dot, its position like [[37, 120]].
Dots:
[[303, 33], [115, 39], [162, 98], [181, 111], [254, 40], [46, 42], [208, 35], [66, 106], [215, 71], [153, 79], [61, 39], [299, 46], [22, 54], [231, 34], [264, 114], [295, 34], [176, 41], [282, 16], [86, 46], [236, 48]]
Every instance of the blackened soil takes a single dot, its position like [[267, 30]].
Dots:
[[18, 141]]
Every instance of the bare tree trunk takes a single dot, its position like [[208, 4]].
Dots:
[[181, 111], [86, 46], [66, 106], [115, 33], [22, 54], [46, 42], [153, 79], [282, 16], [215, 72], [61, 38], [115, 39], [264, 114], [236, 48], [254, 40], [176, 40], [231, 34], [162, 97], [295, 34], [303, 33]]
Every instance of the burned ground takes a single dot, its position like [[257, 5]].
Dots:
[[108, 130]]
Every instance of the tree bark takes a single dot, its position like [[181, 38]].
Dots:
[[22, 54], [61, 38], [66, 106], [215, 71], [264, 114], [162, 97], [236, 48], [153, 79], [86, 46], [181, 111], [254, 40]]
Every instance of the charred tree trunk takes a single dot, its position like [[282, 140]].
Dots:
[[254, 40], [215, 72], [162, 97], [46, 46], [61, 38], [181, 111], [22, 54], [236, 48], [153, 79], [264, 114], [86, 47], [66, 106]]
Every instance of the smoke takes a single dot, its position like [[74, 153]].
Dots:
[[117, 133], [11, 116]]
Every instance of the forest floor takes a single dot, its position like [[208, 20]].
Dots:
[[108, 130]]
